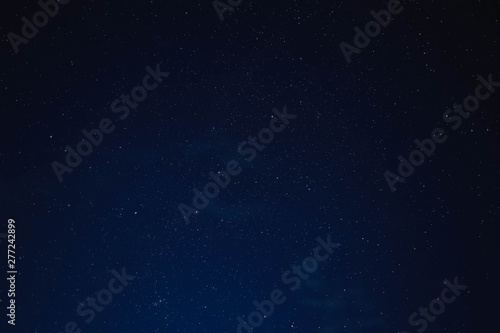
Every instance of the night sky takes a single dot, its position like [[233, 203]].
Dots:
[[305, 137]]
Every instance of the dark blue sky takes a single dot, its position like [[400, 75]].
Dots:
[[323, 174]]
